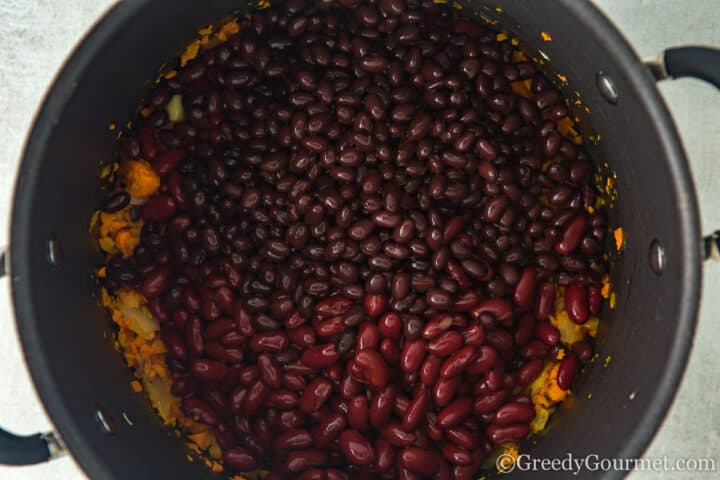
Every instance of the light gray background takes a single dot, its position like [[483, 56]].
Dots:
[[37, 36]]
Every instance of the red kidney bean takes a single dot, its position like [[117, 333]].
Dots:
[[166, 161], [154, 282], [356, 448], [358, 413], [437, 325], [549, 334], [294, 439], [570, 238], [513, 412], [282, 399], [270, 371], [329, 429], [455, 413], [256, 395], [240, 459], [416, 410], [486, 358], [333, 306], [534, 349], [384, 455], [302, 336], [320, 356], [545, 301], [468, 472], [330, 327], [174, 343], [294, 320], [401, 405], [390, 326], [374, 368], [198, 409], [159, 208], [430, 370], [530, 370], [576, 303], [301, 460], [488, 402], [218, 328], [456, 455], [446, 344], [316, 393], [293, 382], [396, 435], [444, 390], [332, 474], [525, 288], [461, 437], [431, 428], [495, 379], [375, 304], [583, 350], [381, 406], [569, 367], [420, 461], [248, 375], [312, 474], [507, 433], [208, 370], [242, 320], [368, 336], [524, 329], [184, 386], [390, 351], [290, 419], [474, 335], [457, 362], [268, 342], [500, 309], [412, 355]]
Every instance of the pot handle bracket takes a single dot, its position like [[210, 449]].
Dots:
[[30, 449]]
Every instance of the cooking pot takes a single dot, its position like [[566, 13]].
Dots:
[[84, 384]]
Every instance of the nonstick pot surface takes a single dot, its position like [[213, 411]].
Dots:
[[76, 371]]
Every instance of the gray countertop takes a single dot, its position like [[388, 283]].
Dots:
[[39, 34]]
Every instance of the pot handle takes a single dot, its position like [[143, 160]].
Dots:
[[689, 61], [30, 449], [697, 62]]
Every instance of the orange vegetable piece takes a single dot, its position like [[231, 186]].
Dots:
[[142, 181]]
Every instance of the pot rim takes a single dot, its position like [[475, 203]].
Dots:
[[50, 389]]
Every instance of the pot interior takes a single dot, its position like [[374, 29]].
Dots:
[[646, 336]]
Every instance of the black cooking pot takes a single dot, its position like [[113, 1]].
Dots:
[[84, 383]]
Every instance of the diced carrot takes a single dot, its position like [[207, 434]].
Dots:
[[142, 181], [618, 234], [522, 87], [126, 241], [190, 52], [226, 31]]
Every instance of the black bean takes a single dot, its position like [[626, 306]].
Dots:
[[116, 202]]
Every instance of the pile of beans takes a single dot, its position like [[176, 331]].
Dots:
[[357, 243]]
